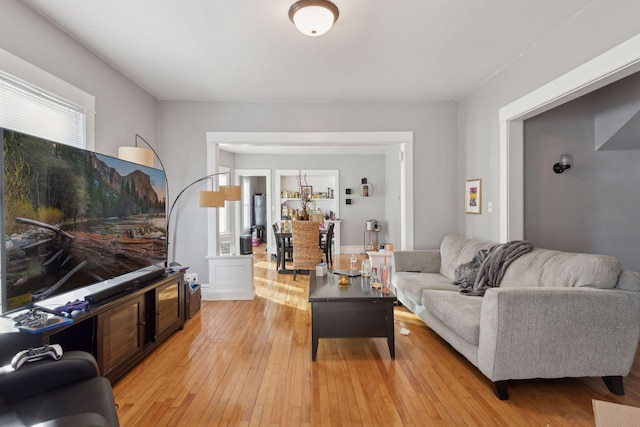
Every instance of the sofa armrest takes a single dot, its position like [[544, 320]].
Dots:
[[558, 332], [47, 374], [420, 261]]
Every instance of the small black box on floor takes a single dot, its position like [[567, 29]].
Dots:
[[246, 247], [192, 300]]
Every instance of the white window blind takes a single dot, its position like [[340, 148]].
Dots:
[[28, 109]]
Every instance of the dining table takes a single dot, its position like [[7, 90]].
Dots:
[[285, 238]]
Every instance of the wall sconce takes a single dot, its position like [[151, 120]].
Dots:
[[563, 164]]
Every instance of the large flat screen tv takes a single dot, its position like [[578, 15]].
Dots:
[[72, 217]]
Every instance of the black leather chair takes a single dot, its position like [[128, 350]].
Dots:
[[325, 245], [66, 392]]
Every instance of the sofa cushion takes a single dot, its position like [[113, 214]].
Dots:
[[545, 267], [456, 250], [412, 284], [629, 281], [460, 313]]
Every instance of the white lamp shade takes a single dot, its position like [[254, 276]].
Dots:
[[211, 199], [139, 155], [565, 160], [313, 17]]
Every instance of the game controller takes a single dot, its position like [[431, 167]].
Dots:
[[72, 306], [36, 353]]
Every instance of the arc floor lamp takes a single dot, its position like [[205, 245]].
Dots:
[[208, 198]]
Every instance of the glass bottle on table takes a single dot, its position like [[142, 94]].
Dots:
[[385, 278], [353, 264], [375, 279], [366, 268], [382, 272]]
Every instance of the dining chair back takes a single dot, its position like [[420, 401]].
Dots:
[[278, 244], [318, 217], [326, 244], [306, 245], [284, 248]]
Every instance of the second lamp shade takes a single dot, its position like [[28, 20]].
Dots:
[[211, 199]]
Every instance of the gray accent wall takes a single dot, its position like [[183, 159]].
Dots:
[[617, 115], [591, 207]]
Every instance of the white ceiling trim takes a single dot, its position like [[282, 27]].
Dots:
[[310, 138]]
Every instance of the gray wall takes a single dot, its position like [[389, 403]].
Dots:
[[592, 207], [448, 150], [122, 108], [183, 127], [352, 168], [598, 28]]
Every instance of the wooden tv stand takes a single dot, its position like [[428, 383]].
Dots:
[[122, 330]]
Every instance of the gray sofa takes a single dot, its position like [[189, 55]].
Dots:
[[555, 314]]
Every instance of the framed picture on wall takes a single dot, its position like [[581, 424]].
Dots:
[[473, 196]]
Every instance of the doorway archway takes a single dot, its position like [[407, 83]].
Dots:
[[402, 140]]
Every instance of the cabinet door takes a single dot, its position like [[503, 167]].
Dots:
[[120, 334], [169, 310]]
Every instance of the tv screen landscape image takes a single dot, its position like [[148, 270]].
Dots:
[[72, 217]]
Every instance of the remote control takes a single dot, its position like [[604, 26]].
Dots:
[[36, 353]]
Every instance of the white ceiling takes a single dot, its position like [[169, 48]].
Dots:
[[248, 50]]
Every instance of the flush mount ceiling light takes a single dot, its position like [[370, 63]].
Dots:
[[313, 17]]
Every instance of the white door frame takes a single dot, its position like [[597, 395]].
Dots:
[[402, 139], [613, 65], [255, 172]]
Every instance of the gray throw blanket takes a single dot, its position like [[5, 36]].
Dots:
[[465, 274], [493, 263]]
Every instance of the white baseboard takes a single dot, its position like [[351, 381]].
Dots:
[[352, 250]]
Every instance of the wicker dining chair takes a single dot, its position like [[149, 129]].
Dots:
[[306, 245]]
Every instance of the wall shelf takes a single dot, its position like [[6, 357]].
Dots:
[[286, 180]]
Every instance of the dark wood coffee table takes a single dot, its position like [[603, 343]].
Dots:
[[353, 311]]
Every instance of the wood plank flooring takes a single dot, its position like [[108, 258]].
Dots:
[[248, 363]]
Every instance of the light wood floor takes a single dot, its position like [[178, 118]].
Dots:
[[249, 363]]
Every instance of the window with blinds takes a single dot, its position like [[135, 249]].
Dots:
[[28, 109]]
